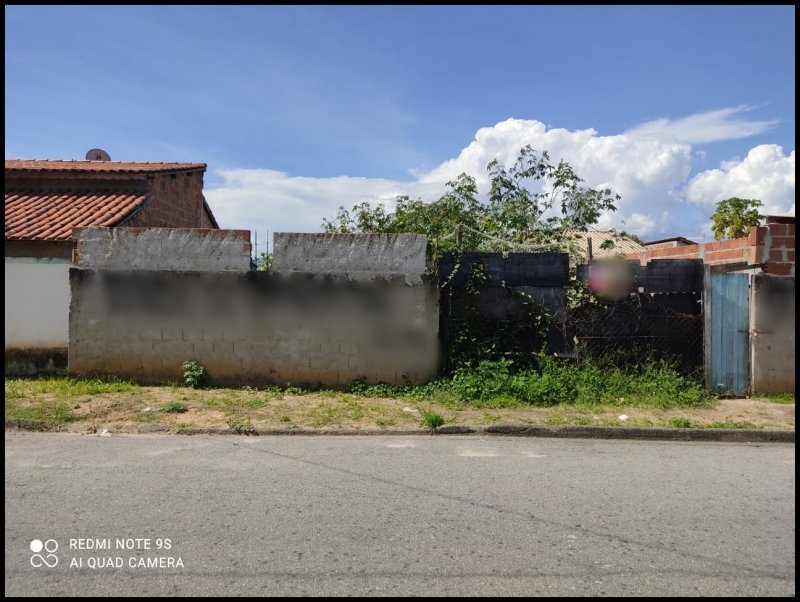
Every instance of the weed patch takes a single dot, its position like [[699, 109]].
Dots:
[[554, 382], [431, 419], [242, 426], [173, 407], [194, 374], [681, 422], [255, 402], [325, 414]]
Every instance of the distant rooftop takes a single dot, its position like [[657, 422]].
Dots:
[[675, 239], [617, 243], [19, 165]]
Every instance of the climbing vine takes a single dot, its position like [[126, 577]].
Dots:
[[482, 322]]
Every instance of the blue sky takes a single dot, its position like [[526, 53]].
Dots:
[[299, 109]]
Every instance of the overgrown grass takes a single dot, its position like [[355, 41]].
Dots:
[[438, 391], [497, 384], [551, 392], [785, 398], [64, 387], [14, 389], [685, 423], [490, 384], [327, 413], [730, 424], [51, 413]]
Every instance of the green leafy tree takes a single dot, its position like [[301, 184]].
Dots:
[[439, 220], [263, 263], [514, 215], [531, 205], [734, 217]]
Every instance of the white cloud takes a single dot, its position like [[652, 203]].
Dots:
[[646, 172], [268, 201], [641, 224], [711, 126], [650, 172], [765, 174]]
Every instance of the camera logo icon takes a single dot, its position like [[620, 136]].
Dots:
[[44, 554]]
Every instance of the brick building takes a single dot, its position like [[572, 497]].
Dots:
[[605, 244], [770, 247], [44, 201]]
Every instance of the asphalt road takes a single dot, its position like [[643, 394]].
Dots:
[[445, 515]]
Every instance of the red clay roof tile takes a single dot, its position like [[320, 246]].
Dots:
[[36, 215]]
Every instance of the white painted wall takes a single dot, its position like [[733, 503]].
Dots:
[[37, 302]]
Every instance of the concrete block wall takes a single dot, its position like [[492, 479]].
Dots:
[[772, 330], [253, 328], [358, 256], [162, 249]]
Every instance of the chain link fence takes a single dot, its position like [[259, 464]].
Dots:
[[667, 326]]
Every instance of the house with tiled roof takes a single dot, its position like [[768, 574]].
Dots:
[[44, 201], [605, 244]]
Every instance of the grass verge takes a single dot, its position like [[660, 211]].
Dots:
[[552, 393]]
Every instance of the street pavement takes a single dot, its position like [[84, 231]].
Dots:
[[424, 515]]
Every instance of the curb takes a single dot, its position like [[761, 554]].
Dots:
[[300, 432], [26, 424], [656, 434], [502, 430]]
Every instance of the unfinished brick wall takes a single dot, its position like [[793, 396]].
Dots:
[[771, 246], [775, 247], [713, 253], [178, 202], [721, 252]]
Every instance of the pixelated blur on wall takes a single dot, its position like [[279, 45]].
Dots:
[[253, 327]]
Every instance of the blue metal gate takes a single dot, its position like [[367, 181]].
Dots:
[[728, 316]]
